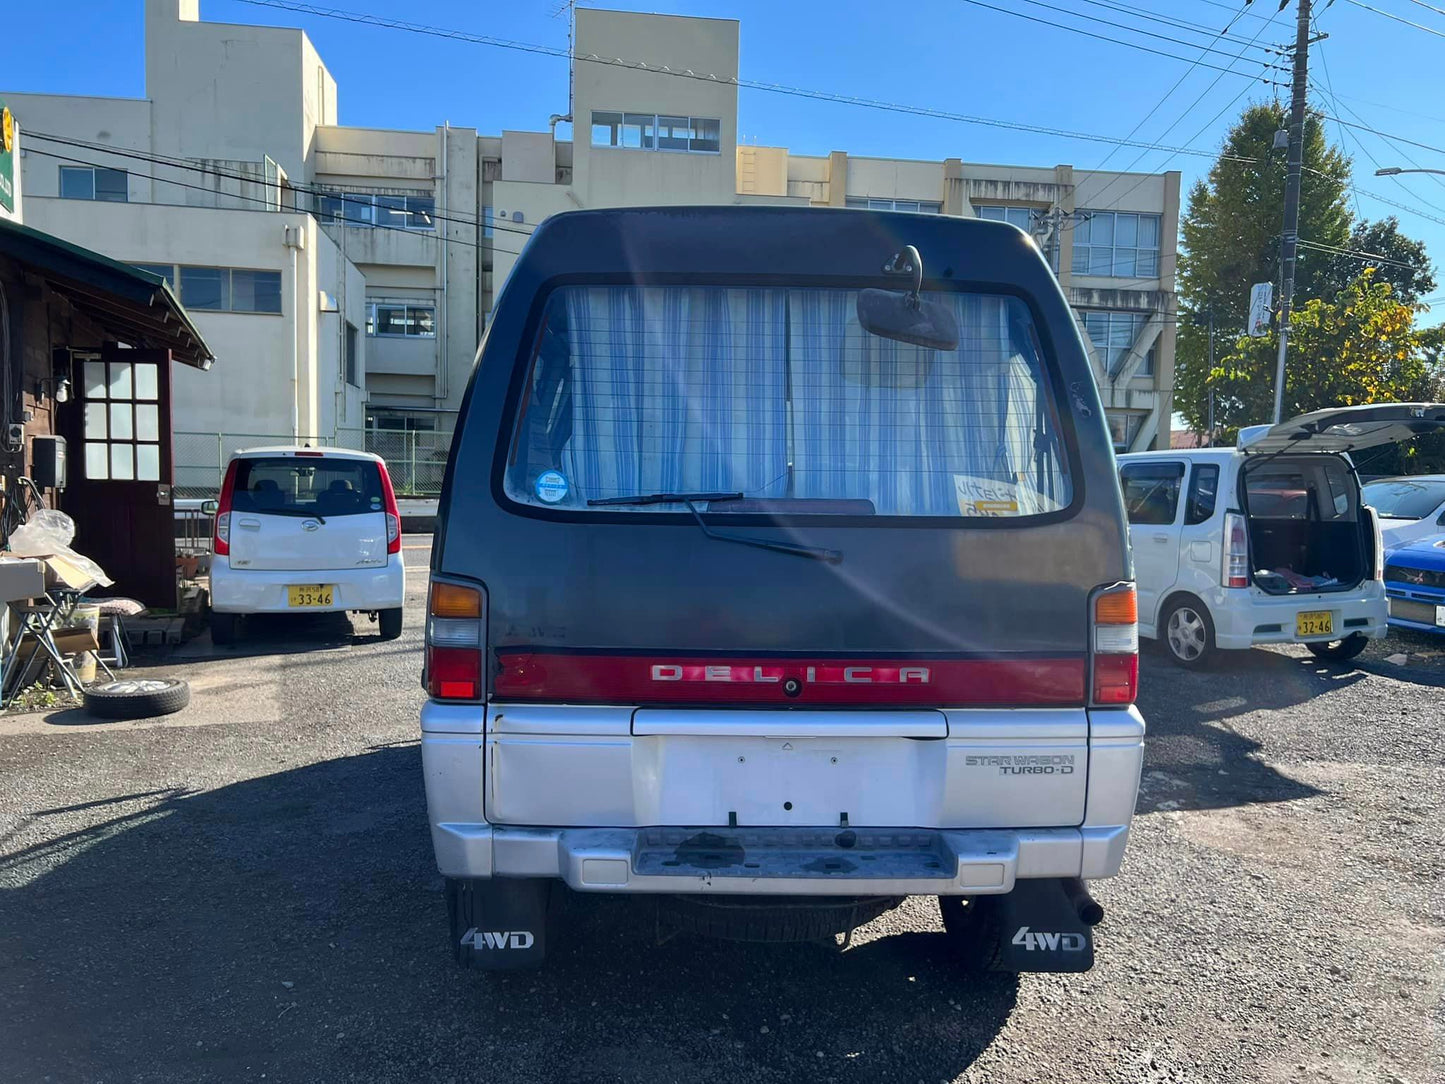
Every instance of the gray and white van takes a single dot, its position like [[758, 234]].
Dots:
[[780, 573]]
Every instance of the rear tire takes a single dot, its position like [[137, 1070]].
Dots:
[[972, 927], [225, 628], [1188, 634], [389, 623], [1340, 650]]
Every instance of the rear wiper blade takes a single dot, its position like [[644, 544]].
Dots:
[[817, 553], [665, 498]]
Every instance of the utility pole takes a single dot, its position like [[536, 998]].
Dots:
[[1211, 370], [1289, 238]]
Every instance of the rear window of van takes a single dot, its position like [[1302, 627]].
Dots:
[[779, 395]]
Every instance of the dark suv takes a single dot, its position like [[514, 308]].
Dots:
[[781, 572]]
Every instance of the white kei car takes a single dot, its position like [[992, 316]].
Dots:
[[306, 530]]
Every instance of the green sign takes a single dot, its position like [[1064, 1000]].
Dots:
[[7, 158]]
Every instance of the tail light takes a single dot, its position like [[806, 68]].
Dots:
[[1115, 629], [393, 513], [221, 538], [1235, 570], [1379, 542], [454, 647]]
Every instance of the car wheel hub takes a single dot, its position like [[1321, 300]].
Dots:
[[1186, 634]]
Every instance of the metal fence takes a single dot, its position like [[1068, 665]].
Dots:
[[416, 461]]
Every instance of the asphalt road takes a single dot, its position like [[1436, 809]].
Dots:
[[245, 890]]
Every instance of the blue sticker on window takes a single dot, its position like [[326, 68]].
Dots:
[[551, 486]]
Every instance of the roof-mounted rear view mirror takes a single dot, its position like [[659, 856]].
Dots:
[[903, 315]]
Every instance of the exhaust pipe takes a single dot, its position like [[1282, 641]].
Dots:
[[1089, 910]]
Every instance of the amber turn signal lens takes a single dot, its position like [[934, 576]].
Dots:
[[454, 600], [1116, 608]]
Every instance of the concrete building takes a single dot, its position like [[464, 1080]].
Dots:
[[405, 236]]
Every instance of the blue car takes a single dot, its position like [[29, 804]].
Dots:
[[1415, 584]]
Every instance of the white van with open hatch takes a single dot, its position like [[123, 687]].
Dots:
[[1268, 542]]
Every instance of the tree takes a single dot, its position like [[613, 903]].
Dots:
[[1361, 347], [1232, 225], [1230, 240], [1405, 266]]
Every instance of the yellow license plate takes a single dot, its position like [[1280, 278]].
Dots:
[[310, 594], [1314, 623]]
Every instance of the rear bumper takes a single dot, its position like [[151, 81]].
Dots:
[[459, 757], [787, 861], [251, 591], [1245, 617]]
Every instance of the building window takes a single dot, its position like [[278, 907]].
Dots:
[[1123, 428], [352, 376], [384, 320], [93, 183], [401, 423], [222, 289], [918, 206], [657, 132], [1117, 244], [1022, 217], [392, 212], [1113, 335]]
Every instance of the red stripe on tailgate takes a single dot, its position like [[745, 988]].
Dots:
[[663, 679]]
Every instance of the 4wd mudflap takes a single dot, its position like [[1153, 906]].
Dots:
[[501, 924], [1039, 929]]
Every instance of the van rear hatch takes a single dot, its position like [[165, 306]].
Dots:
[[692, 488], [306, 511]]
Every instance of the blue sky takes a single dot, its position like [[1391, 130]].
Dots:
[[946, 54]]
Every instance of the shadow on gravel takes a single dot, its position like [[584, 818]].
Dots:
[[283, 634], [1193, 759], [293, 925]]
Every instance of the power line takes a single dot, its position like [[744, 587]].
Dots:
[[743, 84], [1183, 24], [1385, 135], [1251, 14], [1429, 7], [1091, 34], [1403, 154], [1157, 105], [1189, 109], [1325, 64], [1121, 26], [311, 190], [253, 199], [1401, 206], [1399, 183], [1367, 257], [1398, 18]]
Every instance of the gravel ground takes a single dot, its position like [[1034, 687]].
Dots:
[[246, 891]]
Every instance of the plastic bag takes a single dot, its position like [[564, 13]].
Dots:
[[48, 533]]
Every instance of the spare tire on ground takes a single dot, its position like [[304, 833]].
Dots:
[[137, 698]]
